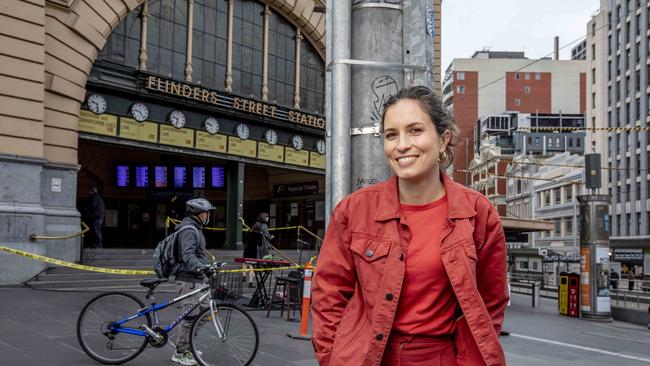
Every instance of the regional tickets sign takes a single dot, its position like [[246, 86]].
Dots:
[[182, 137], [102, 124]]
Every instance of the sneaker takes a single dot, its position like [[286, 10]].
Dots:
[[184, 358]]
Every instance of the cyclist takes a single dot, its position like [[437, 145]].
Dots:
[[193, 261]]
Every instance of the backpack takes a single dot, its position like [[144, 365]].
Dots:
[[166, 256]]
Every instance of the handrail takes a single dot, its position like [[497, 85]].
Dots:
[[85, 229]]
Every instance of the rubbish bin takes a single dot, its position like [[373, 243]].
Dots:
[[573, 303], [568, 300]]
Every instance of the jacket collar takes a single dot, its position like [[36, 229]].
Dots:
[[459, 206]]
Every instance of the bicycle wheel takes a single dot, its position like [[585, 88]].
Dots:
[[95, 320], [237, 344]]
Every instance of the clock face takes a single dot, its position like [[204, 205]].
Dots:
[[140, 112], [296, 142], [177, 119], [271, 137], [211, 125], [242, 131], [320, 146], [96, 103]]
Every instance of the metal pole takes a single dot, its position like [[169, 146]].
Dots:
[[339, 146]]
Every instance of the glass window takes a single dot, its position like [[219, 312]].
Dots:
[[167, 38], [460, 75], [538, 76], [247, 47], [123, 46], [209, 43], [460, 89], [282, 50], [312, 79]]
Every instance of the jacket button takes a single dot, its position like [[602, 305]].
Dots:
[[379, 337], [369, 253], [389, 296], [401, 257]]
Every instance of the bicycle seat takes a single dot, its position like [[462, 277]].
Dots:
[[152, 283]]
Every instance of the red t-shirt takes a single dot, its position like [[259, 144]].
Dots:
[[427, 304]]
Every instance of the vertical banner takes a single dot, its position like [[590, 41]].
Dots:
[[585, 287], [603, 301]]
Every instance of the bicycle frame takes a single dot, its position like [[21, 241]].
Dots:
[[153, 308]]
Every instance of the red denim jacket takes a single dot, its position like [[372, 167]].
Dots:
[[358, 280]]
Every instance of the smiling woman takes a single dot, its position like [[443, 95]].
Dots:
[[418, 260]]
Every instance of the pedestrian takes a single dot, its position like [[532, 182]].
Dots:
[[253, 238], [261, 226], [97, 214], [630, 279], [412, 270], [191, 244], [613, 279]]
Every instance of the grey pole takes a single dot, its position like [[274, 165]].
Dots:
[[328, 112], [338, 159], [392, 47]]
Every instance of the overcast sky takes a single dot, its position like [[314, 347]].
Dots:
[[512, 25]]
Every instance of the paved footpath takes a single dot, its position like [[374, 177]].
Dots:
[[38, 328]]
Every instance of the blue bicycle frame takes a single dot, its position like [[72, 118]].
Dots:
[[153, 308]]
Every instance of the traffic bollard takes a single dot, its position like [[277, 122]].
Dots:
[[306, 304]]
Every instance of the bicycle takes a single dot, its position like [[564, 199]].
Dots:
[[222, 333]]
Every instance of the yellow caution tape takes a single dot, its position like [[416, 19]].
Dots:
[[82, 267]]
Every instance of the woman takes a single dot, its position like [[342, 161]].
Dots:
[[261, 226], [412, 270]]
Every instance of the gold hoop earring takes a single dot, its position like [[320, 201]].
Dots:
[[442, 157]]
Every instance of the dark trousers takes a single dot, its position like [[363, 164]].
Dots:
[[97, 228]]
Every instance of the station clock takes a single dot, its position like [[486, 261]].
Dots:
[[211, 125], [139, 111], [320, 146], [271, 137], [177, 119], [96, 103], [242, 131], [296, 142]]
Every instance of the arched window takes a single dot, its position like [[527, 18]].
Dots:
[[282, 60], [210, 43]]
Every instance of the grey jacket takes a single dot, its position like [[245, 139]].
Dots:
[[192, 249]]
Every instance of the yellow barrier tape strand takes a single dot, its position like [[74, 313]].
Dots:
[[283, 255], [123, 271], [59, 262]]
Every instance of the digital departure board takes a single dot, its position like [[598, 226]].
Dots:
[[198, 177], [160, 176], [122, 176], [142, 176], [218, 177], [180, 177]]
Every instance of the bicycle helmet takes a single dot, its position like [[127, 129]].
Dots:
[[197, 205]]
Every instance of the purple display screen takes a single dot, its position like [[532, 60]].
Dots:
[[180, 176], [218, 177], [122, 175], [160, 176], [142, 176], [198, 177]]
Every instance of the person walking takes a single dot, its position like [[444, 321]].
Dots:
[[630, 279], [261, 226], [191, 244], [412, 270], [97, 213]]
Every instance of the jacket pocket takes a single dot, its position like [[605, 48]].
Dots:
[[370, 256]]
